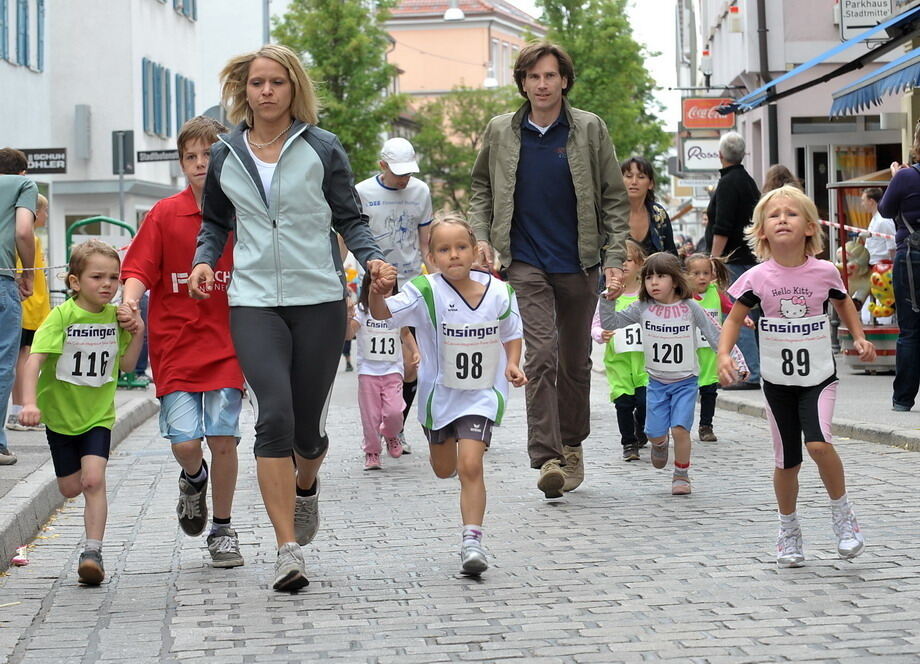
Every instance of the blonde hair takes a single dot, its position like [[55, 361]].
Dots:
[[451, 219], [235, 74], [42, 203], [81, 253], [814, 243], [717, 266]]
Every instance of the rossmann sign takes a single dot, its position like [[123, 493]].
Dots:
[[701, 113]]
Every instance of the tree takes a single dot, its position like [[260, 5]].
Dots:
[[345, 46], [610, 74], [450, 136]]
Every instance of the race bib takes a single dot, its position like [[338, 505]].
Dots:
[[796, 351], [88, 353], [381, 344], [469, 355], [628, 339], [669, 346], [700, 338]]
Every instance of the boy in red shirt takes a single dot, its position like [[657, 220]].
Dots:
[[198, 380]]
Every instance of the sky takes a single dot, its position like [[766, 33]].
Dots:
[[653, 26]]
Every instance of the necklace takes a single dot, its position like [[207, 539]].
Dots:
[[259, 146]]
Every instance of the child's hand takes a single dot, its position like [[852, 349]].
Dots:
[[612, 293], [749, 323], [728, 370], [606, 335], [866, 350], [128, 317], [30, 415], [383, 276], [515, 375]]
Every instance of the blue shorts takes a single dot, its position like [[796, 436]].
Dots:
[[669, 405], [193, 415]]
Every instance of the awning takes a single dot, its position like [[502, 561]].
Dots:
[[894, 77], [900, 28]]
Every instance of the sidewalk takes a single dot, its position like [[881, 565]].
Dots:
[[28, 489]]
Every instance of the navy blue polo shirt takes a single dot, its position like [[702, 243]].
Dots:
[[544, 226]]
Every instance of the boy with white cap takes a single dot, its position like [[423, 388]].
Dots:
[[398, 207]]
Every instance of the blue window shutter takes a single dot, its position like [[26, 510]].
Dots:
[[145, 94], [179, 97], [41, 34], [4, 32], [157, 100], [190, 99], [167, 82], [22, 32]]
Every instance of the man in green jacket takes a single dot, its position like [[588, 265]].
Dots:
[[548, 196]]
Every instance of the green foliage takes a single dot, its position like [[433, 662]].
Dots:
[[344, 46], [450, 135], [610, 75]]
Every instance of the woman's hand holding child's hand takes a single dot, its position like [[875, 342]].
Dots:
[[129, 318]]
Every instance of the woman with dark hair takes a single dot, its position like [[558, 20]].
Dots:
[[777, 176], [649, 223]]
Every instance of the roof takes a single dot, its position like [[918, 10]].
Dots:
[[426, 8]]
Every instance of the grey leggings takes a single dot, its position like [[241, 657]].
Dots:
[[289, 356]]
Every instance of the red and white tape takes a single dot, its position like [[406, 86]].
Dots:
[[856, 229]]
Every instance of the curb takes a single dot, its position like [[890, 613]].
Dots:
[[878, 433], [32, 502]]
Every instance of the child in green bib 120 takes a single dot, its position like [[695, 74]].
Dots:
[[69, 385], [469, 333]]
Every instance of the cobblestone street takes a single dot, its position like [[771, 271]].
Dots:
[[621, 571]]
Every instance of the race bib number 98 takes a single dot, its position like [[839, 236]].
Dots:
[[469, 355], [796, 351], [88, 353]]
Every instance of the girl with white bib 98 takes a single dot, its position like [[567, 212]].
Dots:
[[792, 288], [380, 378], [469, 333], [668, 319]]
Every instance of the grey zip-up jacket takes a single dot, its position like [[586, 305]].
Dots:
[[286, 253]]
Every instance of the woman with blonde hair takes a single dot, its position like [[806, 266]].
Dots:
[[286, 188]]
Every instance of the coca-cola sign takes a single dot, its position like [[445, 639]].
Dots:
[[701, 113]]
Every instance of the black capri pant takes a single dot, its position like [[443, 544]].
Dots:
[[289, 357]]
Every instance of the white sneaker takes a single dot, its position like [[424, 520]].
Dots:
[[789, 549], [850, 542], [405, 446], [290, 572], [306, 517], [12, 423], [473, 559]]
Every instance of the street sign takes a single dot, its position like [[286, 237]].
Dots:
[[701, 113], [144, 156], [857, 16], [123, 152], [46, 160], [701, 154], [696, 182]]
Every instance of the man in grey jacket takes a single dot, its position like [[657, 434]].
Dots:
[[548, 196]]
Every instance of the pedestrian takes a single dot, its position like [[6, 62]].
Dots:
[[35, 309], [777, 176], [547, 195], [18, 198], [879, 248], [379, 357], [198, 380], [283, 185], [463, 319], [708, 278], [70, 382], [902, 204], [399, 211], [649, 223], [624, 361], [792, 288], [729, 214], [669, 320]]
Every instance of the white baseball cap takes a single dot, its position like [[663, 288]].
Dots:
[[399, 155]]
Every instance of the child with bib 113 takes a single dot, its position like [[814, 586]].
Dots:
[[469, 332], [379, 357], [624, 362], [669, 320], [792, 288], [70, 381]]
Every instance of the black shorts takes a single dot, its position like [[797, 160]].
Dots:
[[25, 339], [468, 427], [794, 412], [66, 451]]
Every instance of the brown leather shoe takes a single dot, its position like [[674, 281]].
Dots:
[[574, 467], [706, 434], [552, 479]]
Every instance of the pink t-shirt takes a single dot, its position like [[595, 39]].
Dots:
[[789, 292]]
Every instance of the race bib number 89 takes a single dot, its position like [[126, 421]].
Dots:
[[88, 353], [796, 351], [469, 355]]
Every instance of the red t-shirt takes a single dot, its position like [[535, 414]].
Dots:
[[190, 345]]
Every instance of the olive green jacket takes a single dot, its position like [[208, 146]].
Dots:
[[603, 210]]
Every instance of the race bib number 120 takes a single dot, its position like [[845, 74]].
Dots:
[[88, 353]]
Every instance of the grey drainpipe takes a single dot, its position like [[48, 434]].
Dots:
[[772, 132]]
